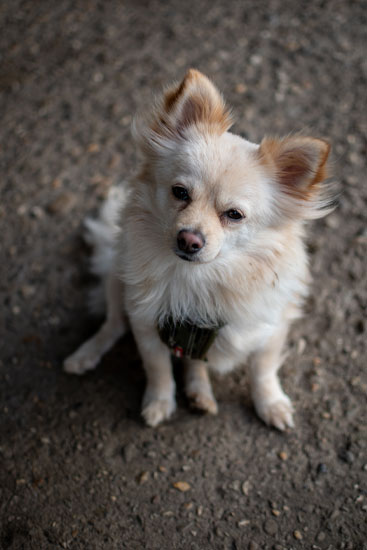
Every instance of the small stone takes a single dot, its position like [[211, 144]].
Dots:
[[275, 512], [37, 212], [218, 531], [297, 535], [22, 209], [56, 183], [283, 455], [243, 523], [27, 291], [143, 477], [245, 487], [321, 536], [62, 204], [270, 527], [162, 469], [253, 545], [241, 88], [315, 387], [182, 486], [235, 485], [113, 498], [347, 456], [256, 59], [200, 510], [321, 468], [188, 505], [93, 148]]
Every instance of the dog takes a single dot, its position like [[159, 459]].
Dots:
[[202, 253]]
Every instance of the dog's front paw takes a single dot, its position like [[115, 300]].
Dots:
[[157, 410], [277, 413], [80, 363], [202, 401]]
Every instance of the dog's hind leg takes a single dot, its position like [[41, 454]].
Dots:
[[90, 353], [197, 386]]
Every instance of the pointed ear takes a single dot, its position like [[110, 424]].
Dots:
[[196, 101], [297, 163], [193, 102], [298, 166]]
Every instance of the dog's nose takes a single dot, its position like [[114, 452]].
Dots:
[[190, 241]]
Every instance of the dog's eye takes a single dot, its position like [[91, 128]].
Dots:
[[180, 193], [234, 214]]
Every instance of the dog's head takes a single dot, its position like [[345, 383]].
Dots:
[[213, 192]]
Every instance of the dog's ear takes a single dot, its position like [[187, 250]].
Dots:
[[193, 102], [196, 101], [298, 165]]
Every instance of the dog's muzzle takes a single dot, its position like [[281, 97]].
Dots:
[[189, 244]]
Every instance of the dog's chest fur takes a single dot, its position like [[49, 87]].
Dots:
[[244, 290]]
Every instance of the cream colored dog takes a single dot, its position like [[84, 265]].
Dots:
[[208, 236]]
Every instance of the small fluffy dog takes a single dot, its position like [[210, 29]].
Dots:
[[202, 254]]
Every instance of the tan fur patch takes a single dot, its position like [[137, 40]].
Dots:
[[199, 109], [195, 101], [299, 163], [322, 172], [171, 97]]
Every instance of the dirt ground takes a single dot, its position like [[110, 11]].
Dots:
[[78, 468]]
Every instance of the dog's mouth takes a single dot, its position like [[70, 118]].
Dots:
[[194, 258], [186, 257]]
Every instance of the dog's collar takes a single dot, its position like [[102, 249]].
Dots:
[[185, 339]]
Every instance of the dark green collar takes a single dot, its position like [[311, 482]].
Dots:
[[186, 339]]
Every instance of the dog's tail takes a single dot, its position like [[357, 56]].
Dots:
[[100, 234]]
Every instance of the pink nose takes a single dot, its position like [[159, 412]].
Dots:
[[190, 241]]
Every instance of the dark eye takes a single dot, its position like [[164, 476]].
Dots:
[[180, 193], [234, 214]]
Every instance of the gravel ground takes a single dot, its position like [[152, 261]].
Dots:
[[78, 469]]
